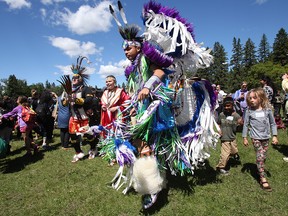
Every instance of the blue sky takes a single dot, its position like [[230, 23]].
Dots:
[[40, 39]]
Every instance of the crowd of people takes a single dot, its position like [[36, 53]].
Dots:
[[161, 122]]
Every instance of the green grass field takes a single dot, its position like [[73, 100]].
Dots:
[[49, 184]]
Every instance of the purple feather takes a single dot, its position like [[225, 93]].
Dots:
[[154, 55]]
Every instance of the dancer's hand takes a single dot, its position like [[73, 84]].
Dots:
[[143, 94]]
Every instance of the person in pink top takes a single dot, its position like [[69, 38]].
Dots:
[[26, 125]]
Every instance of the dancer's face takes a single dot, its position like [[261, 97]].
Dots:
[[76, 80], [131, 52]]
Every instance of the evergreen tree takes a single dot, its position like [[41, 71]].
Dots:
[[236, 63], [219, 69], [47, 85], [264, 49], [249, 57], [280, 48]]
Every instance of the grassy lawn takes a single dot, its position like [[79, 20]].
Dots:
[[49, 184]]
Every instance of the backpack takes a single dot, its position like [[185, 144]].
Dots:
[[28, 115]]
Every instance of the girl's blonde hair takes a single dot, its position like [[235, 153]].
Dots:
[[260, 93]]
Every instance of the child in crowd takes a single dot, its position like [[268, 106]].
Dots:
[[26, 124], [260, 120], [285, 88], [228, 121], [280, 124]]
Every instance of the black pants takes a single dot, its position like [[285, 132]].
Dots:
[[77, 139], [64, 137]]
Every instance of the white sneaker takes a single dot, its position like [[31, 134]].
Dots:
[[92, 154], [223, 171], [285, 159], [148, 200], [77, 157], [45, 146]]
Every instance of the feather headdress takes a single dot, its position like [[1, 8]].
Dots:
[[168, 39], [79, 70], [128, 32]]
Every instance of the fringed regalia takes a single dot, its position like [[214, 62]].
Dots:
[[177, 120]]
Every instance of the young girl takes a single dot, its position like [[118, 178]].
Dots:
[[259, 118], [25, 127]]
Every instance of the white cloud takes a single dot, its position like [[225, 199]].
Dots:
[[261, 1], [116, 69], [49, 2], [74, 48], [17, 4], [43, 13], [86, 19], [46, 2]]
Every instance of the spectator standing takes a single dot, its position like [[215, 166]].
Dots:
[[63, 116], [112, 102], [240, 96], [259, 118], [278, 102], [220, 97], [285, 88], [267, 85], [44, 117], [284, 107]]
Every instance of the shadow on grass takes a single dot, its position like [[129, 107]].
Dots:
[[283, 149], [8, 165], [205, 175], [17, 164], [251, 169], [232, 163]]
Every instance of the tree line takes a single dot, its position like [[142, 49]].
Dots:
[[247, 63]]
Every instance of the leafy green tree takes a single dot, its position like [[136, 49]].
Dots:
[[263, 50], [38, 86], [280, 48]]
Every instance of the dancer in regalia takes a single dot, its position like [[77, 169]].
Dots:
[[79, 99], [172, 122]]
